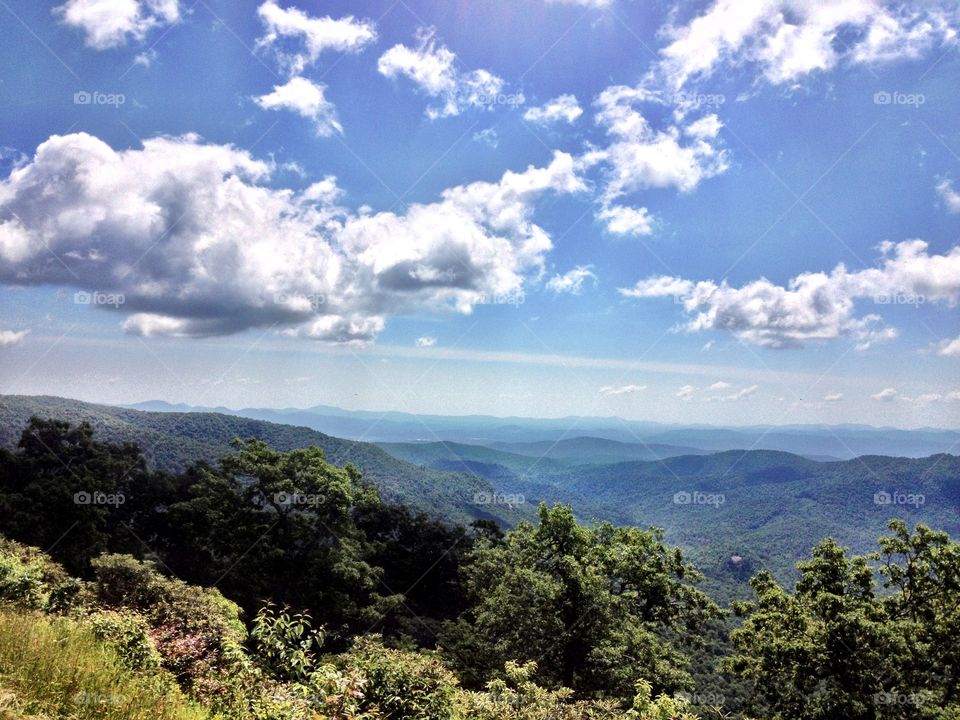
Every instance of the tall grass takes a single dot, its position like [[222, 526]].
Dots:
[[55, 667]]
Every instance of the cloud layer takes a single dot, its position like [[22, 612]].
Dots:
[[814, 306], [198, 245]]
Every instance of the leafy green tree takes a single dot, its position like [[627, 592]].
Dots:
[[597, 608], [84, 491], [834, 648]]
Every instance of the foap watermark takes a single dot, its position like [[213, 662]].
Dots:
[[300, 301], [98, 498], [495, 99], [96, 297], [891, 697], [497, 498], [900, 298], [898, 498], [696, 497], [95, 97], [895, 97], [98, 699], [296, 499], [512, 297], [710, 699], [698, 100]]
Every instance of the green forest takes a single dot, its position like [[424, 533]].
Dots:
[[272, 584]]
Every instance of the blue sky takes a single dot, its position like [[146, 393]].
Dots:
[[726, 212]]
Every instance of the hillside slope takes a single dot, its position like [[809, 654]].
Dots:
[[172, 440]]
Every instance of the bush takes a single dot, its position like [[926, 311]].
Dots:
[[128, 633], [400, 683], [194, 629], [30, 579], [57, 667]]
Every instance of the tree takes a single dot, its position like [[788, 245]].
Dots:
[[836, 649], [597, 608]]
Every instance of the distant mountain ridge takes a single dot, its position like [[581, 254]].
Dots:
[[823, 442], [766, 508], [171, 440]]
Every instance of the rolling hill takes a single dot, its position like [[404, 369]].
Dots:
[[173, 440]]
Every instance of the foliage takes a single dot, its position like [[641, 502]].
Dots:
[[597, 608], [835, 648], [400, 683], [285, 643], [57, 667]]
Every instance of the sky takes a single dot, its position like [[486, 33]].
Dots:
[[731, 212]]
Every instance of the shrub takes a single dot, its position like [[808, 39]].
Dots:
[[31, 579], [128, 634], [193, 628], [401, 683], [56, 667]]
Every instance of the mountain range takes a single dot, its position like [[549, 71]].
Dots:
[[735, 511]]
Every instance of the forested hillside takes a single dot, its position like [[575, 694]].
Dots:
[[274, 585], [172, 441]]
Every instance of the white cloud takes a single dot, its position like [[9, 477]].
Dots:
[[488, 136], [833, 397], [612, 390], [308, 100], [112, 23], [425, 341], [641, 157], [731, 397], [433, 69], [623, 220], [886, 395], [572, 280], [784, 40], [198, 245], [313, 35], [686, 392], [950, 197], [949, 348], [814, 306], [561, 109], [12, 337]]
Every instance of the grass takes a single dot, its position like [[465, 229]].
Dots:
[[53, 668]]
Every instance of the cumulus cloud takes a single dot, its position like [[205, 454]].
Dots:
[[113, 23], [740, 394], [199, 245], [640, 157], [720, 385], [564, 108], [784, 40], [307, 99], [613, 390], [572, 280], [12, 337], [623, 220], [686, 392], [950, 197], [433, 69], [833, 397], [813, 306], [949, 348], [886, 395], [425, 341], [312, 36]]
